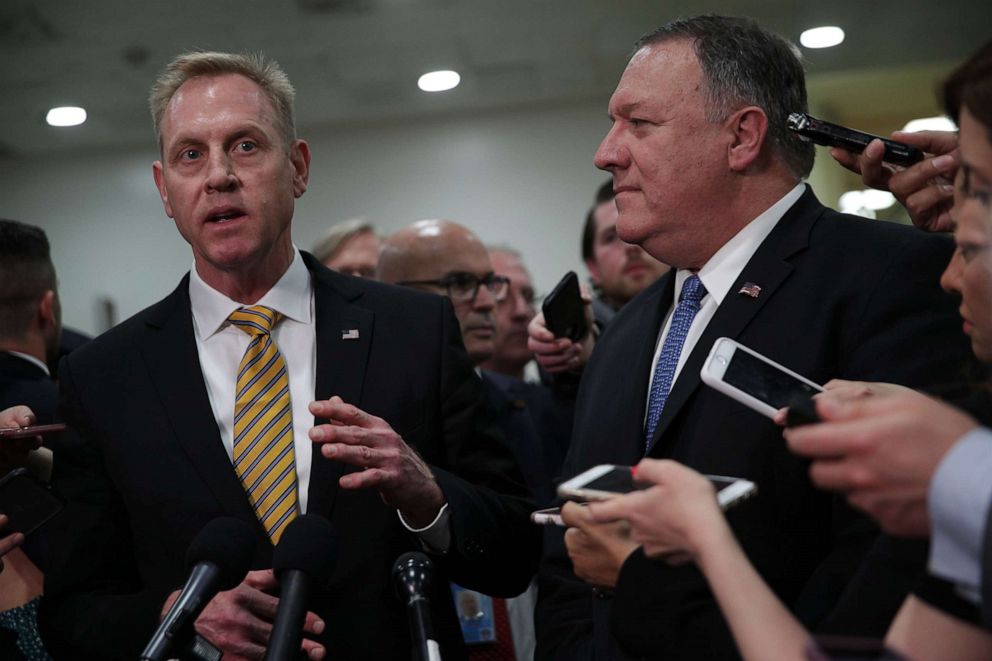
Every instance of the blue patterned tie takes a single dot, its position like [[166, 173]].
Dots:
[[692, 293]]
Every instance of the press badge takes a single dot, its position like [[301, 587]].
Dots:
[[475, 615]]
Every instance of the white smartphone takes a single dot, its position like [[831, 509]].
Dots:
[[752, 379], [607, 481], [550, 516]]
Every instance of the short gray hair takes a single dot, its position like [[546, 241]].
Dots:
[[745, 64], [256, 67], [338, 235]]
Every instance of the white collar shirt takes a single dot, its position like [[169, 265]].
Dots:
[[718, 275], [221, 346]]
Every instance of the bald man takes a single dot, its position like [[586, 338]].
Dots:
[[447, 258]]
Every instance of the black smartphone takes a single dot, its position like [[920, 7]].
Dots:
[[834, 135], [564, 311], [27, 502]]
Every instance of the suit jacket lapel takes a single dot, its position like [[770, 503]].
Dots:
[[173, 365], [344, 338], [768, 267]]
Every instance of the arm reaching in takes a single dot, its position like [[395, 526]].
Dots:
[[679, 516], [925, 188]]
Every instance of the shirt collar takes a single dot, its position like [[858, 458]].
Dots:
[[291, 297], [720, 272], [31, 359]]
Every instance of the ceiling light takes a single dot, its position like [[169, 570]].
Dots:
[[865, 202], [439, 81], [930, 124], [823, 37], [66, 116]]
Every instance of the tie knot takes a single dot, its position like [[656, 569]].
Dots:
[[255, 320], [692, 291]]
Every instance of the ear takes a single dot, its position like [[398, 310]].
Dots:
[[47, 309], [299, 156], [593, 269], [159, 176], [749, 126]]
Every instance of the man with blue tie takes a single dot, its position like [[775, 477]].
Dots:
[[709, 180]]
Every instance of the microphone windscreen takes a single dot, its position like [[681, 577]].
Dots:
[[229, 544], [413, 572], [310, 545]]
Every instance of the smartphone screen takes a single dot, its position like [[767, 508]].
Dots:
[[27, 502], [763, 381], [618, 480]]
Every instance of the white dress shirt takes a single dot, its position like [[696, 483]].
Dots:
[[221, 346], [31, 359], [718, 275], [959, 499]]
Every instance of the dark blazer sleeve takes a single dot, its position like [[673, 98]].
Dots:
[[495, 548], [93, 592]]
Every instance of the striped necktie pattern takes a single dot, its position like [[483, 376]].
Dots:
[[263, 424]]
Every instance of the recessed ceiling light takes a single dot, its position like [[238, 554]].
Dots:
[[822, 37], [439, 81], [930, 124], [66, 116]]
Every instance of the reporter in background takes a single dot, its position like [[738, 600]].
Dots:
[[619, 271], [350, 247]]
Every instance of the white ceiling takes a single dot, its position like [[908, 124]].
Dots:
[[357, 61]]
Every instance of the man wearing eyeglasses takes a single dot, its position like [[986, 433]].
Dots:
[[444, 257]]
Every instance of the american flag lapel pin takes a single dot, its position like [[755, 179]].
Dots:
[[350, 334], [750, 289]]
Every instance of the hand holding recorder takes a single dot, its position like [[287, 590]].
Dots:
[[926, 188]]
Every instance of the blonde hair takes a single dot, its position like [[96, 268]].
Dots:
[[256, 67]]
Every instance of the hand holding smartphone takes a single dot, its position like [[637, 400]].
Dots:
[[608, 481], [27, 502], [564, 311]]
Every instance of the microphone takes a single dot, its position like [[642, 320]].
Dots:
[[414, 573], [220, 556], [303, 560]]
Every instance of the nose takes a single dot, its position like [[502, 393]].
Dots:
[[950, 279], [521, 308], [220, 172], [484, 301], [611, 154]]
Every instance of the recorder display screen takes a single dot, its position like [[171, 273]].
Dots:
[[763, 381]]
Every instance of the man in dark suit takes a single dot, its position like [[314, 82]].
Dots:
[[203, 406], [30, 319], [709, 180]]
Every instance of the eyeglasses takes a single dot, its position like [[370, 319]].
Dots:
[[465, 286]]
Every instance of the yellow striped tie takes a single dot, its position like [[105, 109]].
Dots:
[[263, 424]]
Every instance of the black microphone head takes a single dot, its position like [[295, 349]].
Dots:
[[229, 544], [413, 572], [310, 545]]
